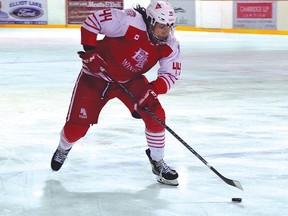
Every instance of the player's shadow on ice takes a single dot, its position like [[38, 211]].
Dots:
[[57, 200]]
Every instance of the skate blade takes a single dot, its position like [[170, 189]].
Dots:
[[167, 182]]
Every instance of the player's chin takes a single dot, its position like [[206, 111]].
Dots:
[[159, 40]]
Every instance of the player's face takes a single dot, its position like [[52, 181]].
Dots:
[[160, 32]]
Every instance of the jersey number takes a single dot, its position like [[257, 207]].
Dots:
[[176, 66], [106, 15]]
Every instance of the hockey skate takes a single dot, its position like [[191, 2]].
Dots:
[[164, 173], [58, 158]]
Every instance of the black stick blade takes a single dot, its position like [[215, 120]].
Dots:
[[231, 182]]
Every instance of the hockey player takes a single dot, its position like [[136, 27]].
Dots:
[[135, 40]]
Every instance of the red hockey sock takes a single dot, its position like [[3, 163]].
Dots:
[[74, 132]]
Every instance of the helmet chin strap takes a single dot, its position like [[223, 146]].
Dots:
[[154, 38], [159, 40]]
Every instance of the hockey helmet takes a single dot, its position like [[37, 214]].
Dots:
[[161, 12]]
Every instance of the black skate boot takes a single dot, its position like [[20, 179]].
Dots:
[[164, 173], [58, 158]]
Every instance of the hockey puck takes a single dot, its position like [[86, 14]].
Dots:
[[236, 199]]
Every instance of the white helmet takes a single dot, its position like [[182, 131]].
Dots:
[[161, 12]]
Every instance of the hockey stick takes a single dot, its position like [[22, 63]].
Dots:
[[231, 182]]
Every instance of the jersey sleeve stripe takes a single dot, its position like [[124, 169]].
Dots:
[[91, 28], [92, 24], [169, 79]]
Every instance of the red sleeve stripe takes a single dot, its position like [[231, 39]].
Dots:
[[88, 26], [95, 21], [170, 79], [91, 27], [92, 24]]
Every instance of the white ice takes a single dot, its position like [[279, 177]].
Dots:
[[230, 105]]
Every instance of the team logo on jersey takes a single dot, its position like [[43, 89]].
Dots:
[[141, 57], [158, 6], [130, 12], [83, 113]]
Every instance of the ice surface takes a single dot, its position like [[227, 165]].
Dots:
[[230, 105]]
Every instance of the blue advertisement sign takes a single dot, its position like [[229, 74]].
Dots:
[[23, 12]]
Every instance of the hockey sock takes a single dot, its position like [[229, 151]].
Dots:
[[64, 144], [156, 144]]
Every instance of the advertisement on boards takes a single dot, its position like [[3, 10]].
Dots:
[[78, 11], [185, 12], [23, 12], [255, 14]]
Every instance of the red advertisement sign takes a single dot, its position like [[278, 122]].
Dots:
[[259, 10], [78, 10]]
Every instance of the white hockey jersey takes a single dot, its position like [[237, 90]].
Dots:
[[127, 49]]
